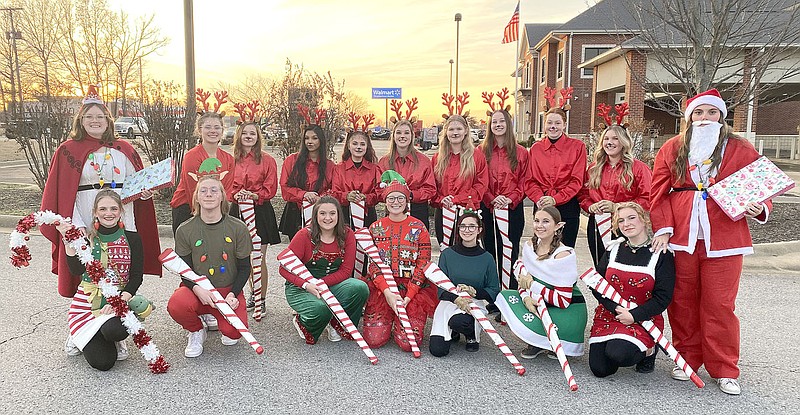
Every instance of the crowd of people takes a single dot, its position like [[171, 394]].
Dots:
[[671, 248]]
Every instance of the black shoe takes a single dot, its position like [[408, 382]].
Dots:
[[498, 318], [455, 337], [531, 352], [648, 364], [251, 303], [491, 309], [473, 345]]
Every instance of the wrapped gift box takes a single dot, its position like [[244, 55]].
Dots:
[[157, 176], [756, 182]]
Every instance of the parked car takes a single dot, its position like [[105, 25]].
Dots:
[[130, 127], [383, 134], [475, 134], [227, 139]]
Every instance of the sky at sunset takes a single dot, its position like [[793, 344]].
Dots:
[[367, 43]]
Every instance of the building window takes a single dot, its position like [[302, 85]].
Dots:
[[542, 70], [526, 76], [590, 52], [560, 65]]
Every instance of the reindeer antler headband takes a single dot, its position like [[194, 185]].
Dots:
[[604, 112], [221, 97], [247, 112], [455, 104], [305, 112], [502, 95], [397, 108], [562, 102], [368, 119]]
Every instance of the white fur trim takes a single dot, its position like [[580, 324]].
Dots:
[[706, 99]]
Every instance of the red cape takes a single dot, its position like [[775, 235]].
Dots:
[[59, 197]]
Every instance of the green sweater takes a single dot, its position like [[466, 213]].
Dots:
[[471, 266]]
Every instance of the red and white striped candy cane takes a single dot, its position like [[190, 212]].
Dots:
[[290, 262], [595, 281], [438, 277], [550, 328], [364, 239], [603, 221], [248, 213], [308, 210], [172, 262], [449, 216], [501, 218], [357, 213]]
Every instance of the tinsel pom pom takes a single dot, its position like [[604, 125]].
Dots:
[[141, 339], [21, 256], [119, 305], [159, 365], [73, 234], [25, 224], [95, 271]]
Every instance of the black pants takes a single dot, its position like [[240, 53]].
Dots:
[[438, 223], [101, 352], [459, 323], [180, 214], [369, 217], [420, 211], [606, 357], [492, 238]]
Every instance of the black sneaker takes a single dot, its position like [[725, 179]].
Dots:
[[531, 352], [648, 364], [455, 337], [251, 303], [473, 345], [491, 309]]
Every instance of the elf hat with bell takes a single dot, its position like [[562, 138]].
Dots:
[[392, 181]]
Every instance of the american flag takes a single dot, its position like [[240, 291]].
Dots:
[[511, 33]]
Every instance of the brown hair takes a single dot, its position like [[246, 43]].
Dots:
[[555, 110], [339, 231], [601, 159], [682, 156], [556, 242], [238, 148], [457, 234], [224, 206], [511, 141], [467, 151], [370, 154], [78, 133], [412, 151]]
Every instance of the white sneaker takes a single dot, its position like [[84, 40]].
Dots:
[[296, 324], [210, 321], [227, 341], [122, 350], [677, 374], [195, 346], [729, 386], [333, 335], [70, 348]]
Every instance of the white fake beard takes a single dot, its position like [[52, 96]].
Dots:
[[705, 135]]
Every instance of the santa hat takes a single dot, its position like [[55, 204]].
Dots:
[[710, 97], [92, 97], [392, 181]]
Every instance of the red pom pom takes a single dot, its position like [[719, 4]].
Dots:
[[159, 365], [20, 256], [95, 271], [141, 338], [73, 234], [25, 224], [119, 305]]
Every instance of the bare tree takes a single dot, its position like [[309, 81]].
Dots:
[[42, 23]]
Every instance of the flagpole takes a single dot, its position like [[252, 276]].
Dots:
[[517, 128]]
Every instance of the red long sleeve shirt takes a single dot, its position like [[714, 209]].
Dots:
[[302, 246], [347, 177], [295, 194], [404, 246], [502, 180], [261, 179], [612, 189], [556, 169], [189, 172], [461, 188], [419, 175]]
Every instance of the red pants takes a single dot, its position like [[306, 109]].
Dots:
[[381, 323], [704, 327], [185, 309]]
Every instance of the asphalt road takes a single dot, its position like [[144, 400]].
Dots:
[[291, 377]]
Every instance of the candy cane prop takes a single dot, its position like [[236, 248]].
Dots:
[[172, 262], [551, 329], [501, 218], [290, 262], [357, 213], [449, 216], [248, 212], [603, 221], [308, 210], [595, 281], [438, 277], [364, 239]]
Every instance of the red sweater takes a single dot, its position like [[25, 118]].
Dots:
[[502, 180], [302, 246], [611, 187], [404, 246], [557, 170], [295, 194], [461, 188], [261, 179], [419, 175], [189, 171], [347, 177]]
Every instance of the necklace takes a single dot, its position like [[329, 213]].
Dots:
[[636, 247], [99, 167]]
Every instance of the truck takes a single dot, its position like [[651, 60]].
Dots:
[[430, 138]]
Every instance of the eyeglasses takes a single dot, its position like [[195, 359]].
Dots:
[[91, 118], [206, 190], [212, 128], [470, 228], [392, 199]]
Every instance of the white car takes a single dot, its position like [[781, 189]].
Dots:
[[130, 127]]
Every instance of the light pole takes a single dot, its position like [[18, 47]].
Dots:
[[188, 31], [458, 23], [451, 77]]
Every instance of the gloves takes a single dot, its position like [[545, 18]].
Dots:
[[467, 289], [463, 303], [525, 281], [530, 305]]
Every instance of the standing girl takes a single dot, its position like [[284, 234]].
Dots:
[[356, 178]]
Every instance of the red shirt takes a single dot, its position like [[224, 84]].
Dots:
[[302, 246], [261, 179], [612, 189], [556, 169], [189, 171], [502, 180], [347, 177], [419, 175], [461, 188], [295, 194]]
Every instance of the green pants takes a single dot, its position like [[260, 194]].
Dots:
[[314, 312]]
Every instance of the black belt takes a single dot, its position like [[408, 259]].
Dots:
[[97, 186], [685, 189]]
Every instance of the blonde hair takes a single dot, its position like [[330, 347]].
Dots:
[[412, 151], [225, 205], [78, 133], [511, 141], [91, 232], [467, 151], [557, 236], [601, 159], [202, 119], [648, 227]]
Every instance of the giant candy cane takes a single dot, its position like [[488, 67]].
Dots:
[[449, 216], [308, 210], [364, 239], [247, 210], [603, 221], [172, 262], [357, 213], [501, 218], [595, 281], [290, 262], [438, 277], [551, 329]]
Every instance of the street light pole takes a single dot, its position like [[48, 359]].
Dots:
[[13, 35], [188, 31], [458, 23], [451, 77]]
